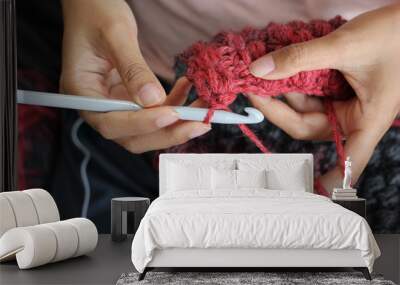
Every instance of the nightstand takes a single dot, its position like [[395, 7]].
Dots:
[[126, 214], [358, 205]]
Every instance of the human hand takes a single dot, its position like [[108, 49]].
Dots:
[[366, 51], [102, 58]]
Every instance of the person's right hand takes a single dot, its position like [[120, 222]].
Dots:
[[102, 58]]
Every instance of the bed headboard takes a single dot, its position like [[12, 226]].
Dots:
[[214, 158]]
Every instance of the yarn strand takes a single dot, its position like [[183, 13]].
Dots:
[[336, 132], [253, 137]]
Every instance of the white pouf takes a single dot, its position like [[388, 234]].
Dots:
[[7, 218], [45, 205], [31, 230], [40, 244], [23, 208]]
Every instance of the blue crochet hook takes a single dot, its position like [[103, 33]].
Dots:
[[86, 103]]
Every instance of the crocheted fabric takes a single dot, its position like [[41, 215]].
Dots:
[[219, 70]]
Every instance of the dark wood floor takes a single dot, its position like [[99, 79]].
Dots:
[[106, 264]]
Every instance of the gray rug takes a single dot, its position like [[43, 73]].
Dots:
[[243, 278]]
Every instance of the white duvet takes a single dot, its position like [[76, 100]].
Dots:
[[250, 219]]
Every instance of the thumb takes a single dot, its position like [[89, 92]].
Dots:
[[315, 54], [139, 80]]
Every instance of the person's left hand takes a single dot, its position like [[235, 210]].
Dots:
[[366, 51]]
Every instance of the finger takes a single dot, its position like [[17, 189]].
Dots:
[[304, 103], [314, 125], [176, 134], [123, 124], [311, 55], [119, 92], [116, 87], [119, 124], [179, 92], [165, 138], [199, 103], [113, 78], [361, 144], [112, 125], [141, 83]]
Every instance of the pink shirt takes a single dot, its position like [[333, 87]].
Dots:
[[167, 27]]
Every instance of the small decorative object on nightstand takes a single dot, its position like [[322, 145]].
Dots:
[[357, 205], [124, 208], [346, 192], [347, 196]]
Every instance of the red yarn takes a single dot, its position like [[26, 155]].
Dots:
[[219, 69], [252, 136], [320, 189], [336, 130]]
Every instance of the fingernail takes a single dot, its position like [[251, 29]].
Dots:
[[166, 120], [262, 66], [199, 132], [149, 95]]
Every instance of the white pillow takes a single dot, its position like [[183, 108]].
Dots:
[[251, 178], [227, 179], [224, 179], [292, 180], [215, 163], [280, 174], [182, 177]]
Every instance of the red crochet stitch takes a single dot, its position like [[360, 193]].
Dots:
[[219, 69]]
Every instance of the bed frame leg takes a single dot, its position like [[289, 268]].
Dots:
[[364, 271], [143, 274]]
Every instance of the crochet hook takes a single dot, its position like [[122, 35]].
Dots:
[[86, 103]]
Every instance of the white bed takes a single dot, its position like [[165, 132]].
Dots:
[[197, 223]]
